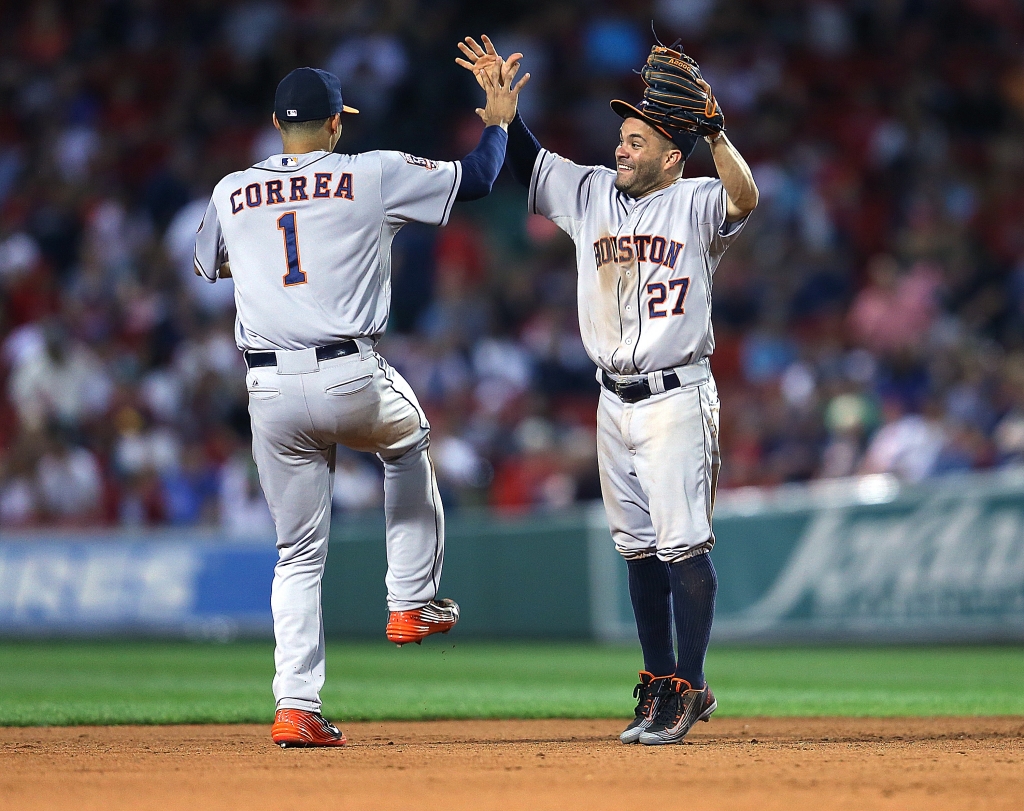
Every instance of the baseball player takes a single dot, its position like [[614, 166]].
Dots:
[[648, 242], [306, 236]]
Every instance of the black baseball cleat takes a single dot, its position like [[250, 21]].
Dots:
[[679, 708], [647, 694]]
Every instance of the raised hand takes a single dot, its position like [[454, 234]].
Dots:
[[477, 58], [495, 76]]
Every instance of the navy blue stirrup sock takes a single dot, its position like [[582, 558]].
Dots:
[[650, 593], [694, 584]]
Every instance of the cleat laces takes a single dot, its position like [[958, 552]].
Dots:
[[645, 695], [671, 705]]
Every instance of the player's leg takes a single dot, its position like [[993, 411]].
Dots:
[[648, 576], [676, 436], [676, 443], [295, 473], [633, 533], [385, 418], [693, 579]]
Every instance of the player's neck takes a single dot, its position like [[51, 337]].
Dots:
[[300, 146]]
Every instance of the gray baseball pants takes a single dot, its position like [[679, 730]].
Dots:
[[659, 461], [301, 410]]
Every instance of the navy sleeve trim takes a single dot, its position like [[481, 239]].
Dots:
[[481, 166], [522, 151]]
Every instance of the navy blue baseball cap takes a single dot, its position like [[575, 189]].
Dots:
[[683, 139], [309, 94]]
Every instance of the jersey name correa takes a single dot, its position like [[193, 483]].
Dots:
[[309, 241], [645, 265]]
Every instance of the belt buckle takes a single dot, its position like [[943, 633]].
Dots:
[[632, 391]]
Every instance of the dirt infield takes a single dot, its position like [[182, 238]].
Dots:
[[757, 763]]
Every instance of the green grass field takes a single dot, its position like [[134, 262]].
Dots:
[[167, 682]]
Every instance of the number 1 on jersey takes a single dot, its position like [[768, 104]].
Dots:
[[286, 224]]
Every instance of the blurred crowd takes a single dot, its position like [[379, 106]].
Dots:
[[870, 319]]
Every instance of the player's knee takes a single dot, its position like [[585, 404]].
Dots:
[[407, 452], [631, 552]]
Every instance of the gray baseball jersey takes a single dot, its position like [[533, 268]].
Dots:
[[644, 290], [310, 241], [645, 265]]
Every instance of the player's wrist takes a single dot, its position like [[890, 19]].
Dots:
[[715, 138], [497, 120]]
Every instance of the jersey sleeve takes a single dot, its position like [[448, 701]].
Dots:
[[560, 190], [710, 202], [416, 189], [210, 251]]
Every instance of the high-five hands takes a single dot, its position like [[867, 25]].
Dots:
[[495, 76]]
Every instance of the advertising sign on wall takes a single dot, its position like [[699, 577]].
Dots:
[[130, 584]]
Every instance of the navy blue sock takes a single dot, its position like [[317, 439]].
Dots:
[[694, 585], [650, 593]]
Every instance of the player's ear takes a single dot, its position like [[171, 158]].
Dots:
[[277, 124], [673, 159]]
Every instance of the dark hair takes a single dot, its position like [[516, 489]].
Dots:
[[301, 127]]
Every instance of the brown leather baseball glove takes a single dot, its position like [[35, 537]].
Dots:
[[677, 95]]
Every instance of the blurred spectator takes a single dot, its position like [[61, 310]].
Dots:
[[908, 445], [243, 507], [613, 45], [189, 489], [61, 381], [70, 483], [849, 418], [358, 483], [251, 26], [685, 17], [370, 67], [20, 502], [896, 310]]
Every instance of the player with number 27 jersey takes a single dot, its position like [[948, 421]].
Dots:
[[645, 264], [648, 242], [313, 223]]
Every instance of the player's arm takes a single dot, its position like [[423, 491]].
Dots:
[[223, 272], [740, 189], [523, 148], [210, 258], [414, 194], [481, 166]]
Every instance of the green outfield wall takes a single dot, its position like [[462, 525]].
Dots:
[[864, 559], [513, 576]]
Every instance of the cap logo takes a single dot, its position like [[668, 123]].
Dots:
[[292, 112]]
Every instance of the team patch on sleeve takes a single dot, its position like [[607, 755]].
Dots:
[[412, 160]]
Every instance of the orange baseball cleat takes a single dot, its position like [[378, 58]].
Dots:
[[436, 617], [302, 728]]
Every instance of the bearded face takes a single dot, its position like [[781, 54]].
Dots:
[[641, 157]]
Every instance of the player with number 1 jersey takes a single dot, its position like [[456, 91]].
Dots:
[[310, 239], [306, 235]]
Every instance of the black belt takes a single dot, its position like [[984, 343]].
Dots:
[[633, 391], [339, 350]]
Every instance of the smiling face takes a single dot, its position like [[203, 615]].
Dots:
[[645, 159]]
